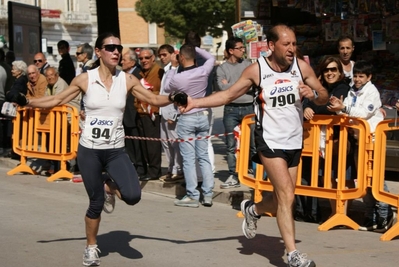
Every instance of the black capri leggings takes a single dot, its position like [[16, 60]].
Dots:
[[92, 163]]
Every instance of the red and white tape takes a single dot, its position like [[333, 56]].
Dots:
[[173, 140]]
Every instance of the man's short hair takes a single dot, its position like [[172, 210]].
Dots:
[[231, 42], [51, 68], [363, 67], [88, 49], [188, 51], [62, 44], [192, 38]]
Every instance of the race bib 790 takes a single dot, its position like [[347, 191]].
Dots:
[[281, 95]]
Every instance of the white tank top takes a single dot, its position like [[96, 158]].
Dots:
[[103, 127], [278, 107], [349, 74]]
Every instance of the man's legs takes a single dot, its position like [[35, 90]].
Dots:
[[283, 180]]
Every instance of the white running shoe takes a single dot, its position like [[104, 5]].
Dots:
[[90, 256]]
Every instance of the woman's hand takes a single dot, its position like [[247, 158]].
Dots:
[[336, 104], [308, 113]]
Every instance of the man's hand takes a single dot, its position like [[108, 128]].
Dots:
[[179, 98], [306, 91], [188, 107]]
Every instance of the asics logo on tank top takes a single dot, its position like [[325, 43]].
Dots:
[[281, 89], [102, 122], [268, 76]]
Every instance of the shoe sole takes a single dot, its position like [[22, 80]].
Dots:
[[207, 204], [389, 225], [172, 181], [91, 264], [229, 186], [188, 205]]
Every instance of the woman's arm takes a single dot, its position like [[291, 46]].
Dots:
[[134, 85], [62, 98]]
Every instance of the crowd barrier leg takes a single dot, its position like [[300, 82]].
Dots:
[[22, 168], [63, 173]]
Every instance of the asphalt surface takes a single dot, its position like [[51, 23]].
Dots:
[[42, 224]]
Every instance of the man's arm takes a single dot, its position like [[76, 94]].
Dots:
[[210, 60], [221, 78]]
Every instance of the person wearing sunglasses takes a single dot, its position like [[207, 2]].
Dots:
[[40, 61], [103, 162], [66, 68], [333, 78], [84, 55], [148, 119]]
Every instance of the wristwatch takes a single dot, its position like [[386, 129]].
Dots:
[[316, 95]]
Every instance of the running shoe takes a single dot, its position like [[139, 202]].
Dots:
[[90, 256]]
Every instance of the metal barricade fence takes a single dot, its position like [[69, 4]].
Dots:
[[51, 134], [323, 189]]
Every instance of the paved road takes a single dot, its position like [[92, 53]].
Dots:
[[42, 225]]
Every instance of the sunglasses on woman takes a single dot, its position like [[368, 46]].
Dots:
[[333, 69], [112, 47]]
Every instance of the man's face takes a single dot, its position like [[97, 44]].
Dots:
[[164, 56], [62, 50], [80, 56], [33, 74], [127, 62], [284, 49], [345, 50], [51, 76], [39, 60], [146, 59]]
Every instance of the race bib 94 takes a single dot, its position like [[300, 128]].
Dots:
[[100, 128]]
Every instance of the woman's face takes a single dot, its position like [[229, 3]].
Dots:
[[110, 51], [331, 73], [15, 72]]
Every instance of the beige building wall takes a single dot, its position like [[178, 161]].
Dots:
[[134, 31]]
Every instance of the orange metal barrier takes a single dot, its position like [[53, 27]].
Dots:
[[50, 134], [379, 173], [312, 131]]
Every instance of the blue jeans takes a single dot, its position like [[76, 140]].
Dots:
[[193, 126], [371, 208], [232, 117]]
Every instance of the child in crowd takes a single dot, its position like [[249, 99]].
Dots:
[[363, 101]]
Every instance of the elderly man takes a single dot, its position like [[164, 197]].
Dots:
[[84, 55], [55, 85], [40, 62], [129, 65], [36, 83], [148, 121]]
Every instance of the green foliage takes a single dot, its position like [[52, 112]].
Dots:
[[181, 16]]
